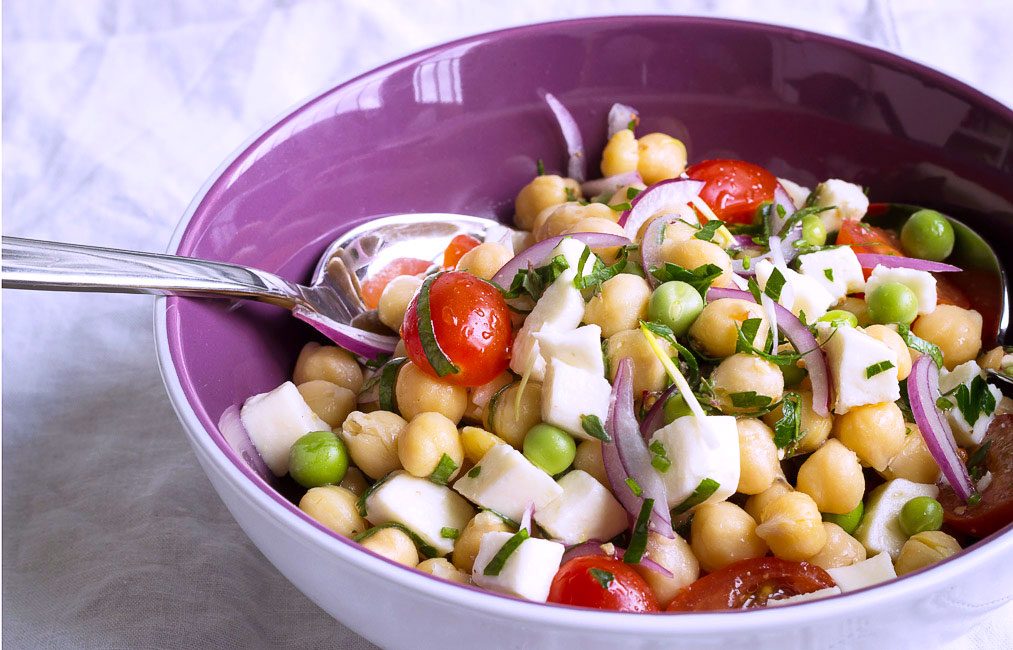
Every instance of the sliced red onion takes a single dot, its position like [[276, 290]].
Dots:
[[671, 194], [571, 134], [783, 199], [870, 261], [529, 512], [620, 116], [627, 456], [650, 248], [610, 184], [231, 427], [923, 391], [656, 415], [594, 548], [803, 340], [534, 255], [360, 342]]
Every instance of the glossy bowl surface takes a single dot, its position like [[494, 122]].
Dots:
[[459, 128]]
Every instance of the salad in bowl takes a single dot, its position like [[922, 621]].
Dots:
[[678, 387]]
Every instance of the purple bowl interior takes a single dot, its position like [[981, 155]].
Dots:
[[459, 128]]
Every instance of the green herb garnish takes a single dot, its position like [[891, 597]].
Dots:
[[634, 486], [449, 533], [638, 540], [475, 471], [788, 429], [775, 283], [685, 355], [534, 281], [703, 491], [423, 547], [388, 378], [592, 426], [708, 230], [601, 272], [659, 457], [540, 167], [499, 560], [750, 399], [877, 368], [974, 401], [603, 578], [437, 358], [828, 274], [699, 278], [444, 469], [921, 345], [631, 193], [976, 461]]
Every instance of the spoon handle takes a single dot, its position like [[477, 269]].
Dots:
[[56, 266]]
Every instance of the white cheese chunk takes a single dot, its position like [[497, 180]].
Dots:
[[880, 530], [528, 571], [568, 393], [877, 569], [585, 510], [802, 598], [801, 295], [700, 448], [848, 200], [920, 282], [850, 353], [507, 482], [967, 435], [420, 505], [580, 348], [835, 269], [275, 420], [796, 192]]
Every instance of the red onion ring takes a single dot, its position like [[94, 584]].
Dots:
[[610, 184], [534, 255], [923, 391], [656, 415], [669, 194], [571, 134], [870, 261], [803, 340], [231, 427], [360, 342], [620, 116], [594, 548]]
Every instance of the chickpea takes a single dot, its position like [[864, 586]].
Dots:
[[756, 503], [511, 420], [742, 373], [608, 254], [914, 462], [840, 550], [758, 462], [484, 260], [476, 442], [442, 568], [371, 439], [620, 305], [621, 154], [924, 549], [330, 363], [956, 331], [876, 432], [395, 298], [479, 396], [426, 439], [568, 215], [418, 392], [354, 481], [331, 403], [400, 350], [716, 330], [542, 192], [792, 526], [334, 508], [722, 533], [661, 157], [672, 554], [814, 428], [393, 544], [678, 231], [648, 373], [992, 360], [885, 334], [466, 546], [858, 307], [833, 477], [589, 459], [693, 253]]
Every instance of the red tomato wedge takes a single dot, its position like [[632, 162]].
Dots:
[[601, 582], [456, 249], [995, 510], [375, 284], [734, 189], [750, 583]]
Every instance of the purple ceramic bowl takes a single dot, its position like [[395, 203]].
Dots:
[[458, 128]]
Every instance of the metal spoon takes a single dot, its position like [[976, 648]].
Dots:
[[333, 292]]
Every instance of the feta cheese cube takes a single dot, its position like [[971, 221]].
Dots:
[[880, 530], [580, 348], [850, 353], [802, 598], [800, 294], [796, 192], [275, 420], [920, 282], [568, 393], [877, 569], [527, 573], [967, 435], [420, 505], [507, 482], [585, 510], [835, 269], [848, 200], [700, 448]]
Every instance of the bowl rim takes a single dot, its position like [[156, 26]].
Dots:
[[259, 494]]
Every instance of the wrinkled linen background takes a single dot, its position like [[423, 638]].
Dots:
[[114, 114]]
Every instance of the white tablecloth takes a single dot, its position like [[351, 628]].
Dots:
[[114, 113]]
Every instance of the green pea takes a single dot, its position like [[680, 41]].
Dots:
[[848, 521], [549, 447], [919, 515], [675, 304], [814, 232], [839, 317], [892, 302], [675, 408], [318, 458], [927, 234]]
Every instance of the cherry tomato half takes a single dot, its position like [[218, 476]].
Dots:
[[471, 323], [601, 582], [750, 583], [375, 284], [995, 509], [734, 189], [456, 249]]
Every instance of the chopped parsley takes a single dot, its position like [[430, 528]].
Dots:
[[708, 230], [685, 355], [424, 548], [974, 401], [976, 461], [634, 486], [592, 426], [571, 195], [601, 272], [498, 561], [475, 471], [602, 577], [703, 491], [788, 429], [921, 345], [632, 124], [878, 368], [747, 337], [699, 278], [534, 281], [540, 167], [444, 469], [622, 207], [828, 274], [775, 283], [632, 192], [659, 457], [750, 399], [638, 540], [944, 404], [449, 533]]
